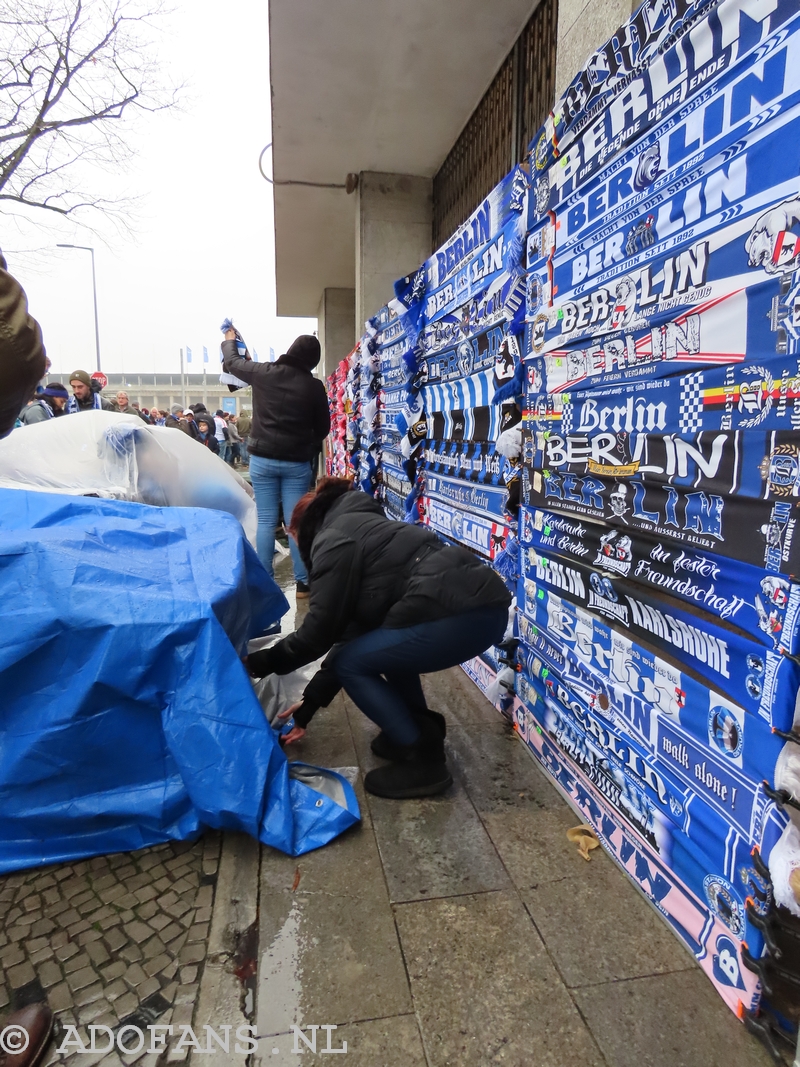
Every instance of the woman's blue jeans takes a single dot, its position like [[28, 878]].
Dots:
[[380, 670], [276, 482]]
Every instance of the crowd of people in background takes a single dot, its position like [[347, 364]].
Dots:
[[222, 432]]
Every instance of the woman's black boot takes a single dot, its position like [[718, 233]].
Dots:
[[422, 772], [385, 748]]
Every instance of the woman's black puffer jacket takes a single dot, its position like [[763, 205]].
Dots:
[[368, 571]]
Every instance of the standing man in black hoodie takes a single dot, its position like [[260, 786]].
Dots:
[[290, 422]]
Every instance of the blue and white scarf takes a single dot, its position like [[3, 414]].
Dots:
[[72, 404]]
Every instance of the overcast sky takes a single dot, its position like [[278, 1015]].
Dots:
[[204, 246]]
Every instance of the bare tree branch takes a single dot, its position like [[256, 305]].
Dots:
[[74, 76]]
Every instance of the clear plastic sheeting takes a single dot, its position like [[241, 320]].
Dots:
[[106, 454], [127, 716]]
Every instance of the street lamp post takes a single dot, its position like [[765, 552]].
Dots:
[[87, 248]]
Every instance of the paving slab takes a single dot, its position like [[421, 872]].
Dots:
[[497, 771], [328, 950], [436, 847], [533, 845], [484, 988], [350, 864], [393, 1042], [433, 847], [327, 959], [598, 928], [670, 1020]]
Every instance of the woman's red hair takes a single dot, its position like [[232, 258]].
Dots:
[[301, 506]]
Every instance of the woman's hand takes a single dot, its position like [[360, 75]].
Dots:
[[295, 734], [257, 664], [284, 715], [248, 668]]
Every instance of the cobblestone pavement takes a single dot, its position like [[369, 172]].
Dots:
[[113, 940]]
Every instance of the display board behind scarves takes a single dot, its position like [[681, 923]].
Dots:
[[661, 459]]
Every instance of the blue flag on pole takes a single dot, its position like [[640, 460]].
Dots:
[[188, 354], [205, 354], [255, 356]]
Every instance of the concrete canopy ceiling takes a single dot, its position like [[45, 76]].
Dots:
[[379, 85]]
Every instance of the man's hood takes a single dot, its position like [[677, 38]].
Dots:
[[304, 352]]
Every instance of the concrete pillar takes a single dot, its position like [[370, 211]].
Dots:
[[583, 25], [336, 327], [394, 226]]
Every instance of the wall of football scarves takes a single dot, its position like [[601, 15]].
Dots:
[[595, 386]]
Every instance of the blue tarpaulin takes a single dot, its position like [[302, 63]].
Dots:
[[126, 716]]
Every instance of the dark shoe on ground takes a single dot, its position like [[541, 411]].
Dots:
[[402, 781], [385, 748], [421, 770], [302, 591], [35, 1021]]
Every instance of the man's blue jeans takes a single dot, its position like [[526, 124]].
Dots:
[[275, 482], [380, 670]]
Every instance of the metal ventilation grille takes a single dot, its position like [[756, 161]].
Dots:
[[497, 135], [537, 73], [478, 160]]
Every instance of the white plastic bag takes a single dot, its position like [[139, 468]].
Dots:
[[502, 685], [784, 869], [787, 771], [108, 454]]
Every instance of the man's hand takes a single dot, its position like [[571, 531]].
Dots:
[[230, 335]]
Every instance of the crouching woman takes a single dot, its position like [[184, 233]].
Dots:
[[390, 602]]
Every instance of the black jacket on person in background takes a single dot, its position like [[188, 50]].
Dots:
[[87, 404], [209, 441], [290, 407], [367, 571], [186, 425]]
